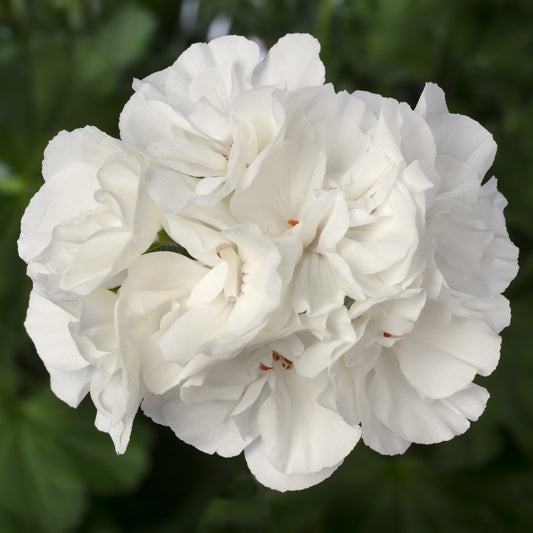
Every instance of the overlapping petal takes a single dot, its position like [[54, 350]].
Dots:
[[90, 219]]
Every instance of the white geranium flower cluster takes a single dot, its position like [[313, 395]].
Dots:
[[269, 266]]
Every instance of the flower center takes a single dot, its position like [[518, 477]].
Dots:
[[276, 357], [226, 156], [232, 287]]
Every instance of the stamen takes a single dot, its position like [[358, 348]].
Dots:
[[226, 156], [385, 334], [232, 288], [285, 363], [292, 222]]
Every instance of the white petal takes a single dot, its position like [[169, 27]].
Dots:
[[440, 358], [372, 100], [470, 402], [380, 438], [199, 239], [317, 288], [267, 475], [391, 236], [144, 120], [463, 139], [411, 416], [60, 199], [192, 333], [120, 433], [284, 184], [93, 261], [333, 338], [260, 260], [231, 51], [299, 435], [417, 138], [432, 102], [47, 325], [293, 61], [87, 147], [71, 386], [331, 219], [97, 319], [158, 374], [210, 286], [163, 275], [206, 426], [189, 157], [375, 433]]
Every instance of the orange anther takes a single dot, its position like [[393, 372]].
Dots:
[[264, 367], [385, 334], [292, 222], [219, 255], [285, 363], [226, 156]]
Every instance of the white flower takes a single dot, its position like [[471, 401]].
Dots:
[[409, 378], [80, 232], [172, 309], [427, 362], [258, 400], [286, 199], [77, 342], [91, 217], [213, 112], [357, 214], [338, 273]]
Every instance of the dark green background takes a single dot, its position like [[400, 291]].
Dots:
[[67, 63]]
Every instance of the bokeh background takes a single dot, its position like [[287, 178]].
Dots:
[[68, 63]]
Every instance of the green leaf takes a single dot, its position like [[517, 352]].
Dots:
[[51, 456], [40, 489]]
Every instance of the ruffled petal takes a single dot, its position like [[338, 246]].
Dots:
[[441, 357], [48, 325], [206, 425], [415, 418], [301, 436], [293, 62], [267, 475]]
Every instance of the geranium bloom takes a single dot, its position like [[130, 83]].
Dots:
[[213, 112], [77, 343], [91, 217], [197, 308], [411, 378], [80, 232], [259, 400], [270, 267]]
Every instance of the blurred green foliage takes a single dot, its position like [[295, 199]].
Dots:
[[67, 63]]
